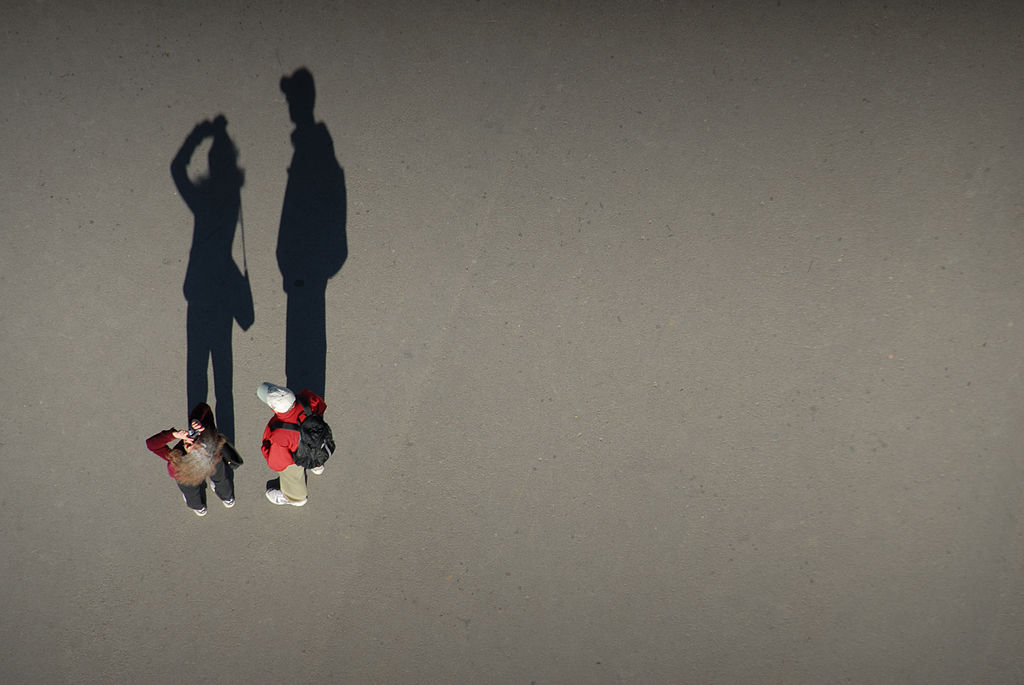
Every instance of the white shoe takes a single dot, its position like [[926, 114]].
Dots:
[[318, 469], [278, 497]]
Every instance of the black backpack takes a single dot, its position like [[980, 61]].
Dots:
[[316, 441]]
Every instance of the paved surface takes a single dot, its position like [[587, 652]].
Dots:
[[676, 343]]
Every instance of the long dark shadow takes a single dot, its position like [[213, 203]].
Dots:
[[311, 244], [216, 291]]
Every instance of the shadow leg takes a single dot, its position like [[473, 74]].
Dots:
[[197, 356], [306, 337], [223, 376]]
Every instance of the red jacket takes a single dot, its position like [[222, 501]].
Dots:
[[158, 443], [279, 444]]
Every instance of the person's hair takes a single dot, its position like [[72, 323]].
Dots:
[[193, 466]]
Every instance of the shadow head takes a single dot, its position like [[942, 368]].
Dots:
[[301, 94], [223, 156]]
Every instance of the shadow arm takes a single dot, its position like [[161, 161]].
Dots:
[[179, 165]]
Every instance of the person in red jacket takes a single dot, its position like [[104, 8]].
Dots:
[[279, 444], [200, 454]]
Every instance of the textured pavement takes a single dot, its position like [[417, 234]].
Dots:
[[676, 343]]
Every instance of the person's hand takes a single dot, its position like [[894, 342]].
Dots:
[[183, 435]]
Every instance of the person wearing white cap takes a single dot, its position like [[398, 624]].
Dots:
[[280, 441]]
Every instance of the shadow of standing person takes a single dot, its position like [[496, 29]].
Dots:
[[311, 244], [216, 291]]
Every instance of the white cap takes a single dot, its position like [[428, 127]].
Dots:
[[277, 398]]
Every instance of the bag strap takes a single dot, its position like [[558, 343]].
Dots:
[[307, 411], [241, 223], [276, 423]]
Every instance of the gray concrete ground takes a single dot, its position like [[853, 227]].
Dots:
[[677, 343]]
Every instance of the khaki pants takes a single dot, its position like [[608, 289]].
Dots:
[[293, 483]]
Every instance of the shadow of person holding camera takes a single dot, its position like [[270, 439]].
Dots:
[[311, 244], [218, 294]]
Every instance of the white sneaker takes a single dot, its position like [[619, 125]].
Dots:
[[278, 497], [318, 469]]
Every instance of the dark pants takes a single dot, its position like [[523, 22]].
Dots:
[[223, 482]]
